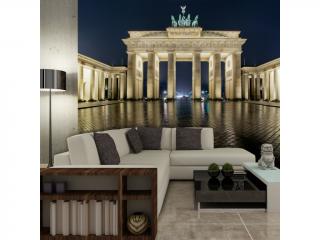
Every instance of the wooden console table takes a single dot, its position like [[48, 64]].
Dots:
[[122, 195]]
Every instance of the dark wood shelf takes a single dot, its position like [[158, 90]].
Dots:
[[45, 235], [79, 171], [81, 195], [129, 236], [121, 195], [137, 194]]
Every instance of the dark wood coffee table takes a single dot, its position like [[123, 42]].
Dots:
[[241, 191]]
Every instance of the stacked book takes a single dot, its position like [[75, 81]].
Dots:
[[84, 218]]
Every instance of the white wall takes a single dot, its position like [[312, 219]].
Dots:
[[59, 50]]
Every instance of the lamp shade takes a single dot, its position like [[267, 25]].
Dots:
[[52, 79]]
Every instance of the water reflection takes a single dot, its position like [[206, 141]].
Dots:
[[236, 124]]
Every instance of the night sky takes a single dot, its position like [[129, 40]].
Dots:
[[102, 25]]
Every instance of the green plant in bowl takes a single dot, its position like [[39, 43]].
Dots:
[[213, 170], [227, 170]]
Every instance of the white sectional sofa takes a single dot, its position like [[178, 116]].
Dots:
[[170, 163]]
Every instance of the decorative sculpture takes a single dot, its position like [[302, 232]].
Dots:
[[138, 223], [173, 22], [195, 21], [267, 158], [184, 21], [183, 9]]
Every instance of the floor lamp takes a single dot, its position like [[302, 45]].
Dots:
[[52, 80]]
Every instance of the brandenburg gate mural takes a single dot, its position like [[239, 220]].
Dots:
[[184, 41]]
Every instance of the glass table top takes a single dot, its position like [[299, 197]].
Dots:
[[238, 182]]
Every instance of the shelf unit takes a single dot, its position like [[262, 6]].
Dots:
[[122, 195]]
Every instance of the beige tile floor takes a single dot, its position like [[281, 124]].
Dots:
[[179, 221]]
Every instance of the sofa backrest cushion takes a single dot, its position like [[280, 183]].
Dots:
[[106, 148], [134, 140], [207, 138], [150, 137], [83, 150], [188, 138], [120, 139], [166, 139]]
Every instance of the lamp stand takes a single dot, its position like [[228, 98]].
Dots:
[[50, 164]]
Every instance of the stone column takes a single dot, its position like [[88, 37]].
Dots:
[[100, 84], [236, 78], [91, 91], [110, 87], [131, 77], [277, 83], [245, 86], [217, 88], [151, 75], [211, 77], [266, 85], [138, 85], [257, 84], [229, 77], [252, 88], [103, 90], [114, 87], [272, 86], [122, 85], [80, 82], [196, 75], [156, 92], [171, 83]]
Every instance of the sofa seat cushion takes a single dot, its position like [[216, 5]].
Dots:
[[157, 158], [234, 156]]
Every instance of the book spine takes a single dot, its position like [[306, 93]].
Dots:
[[53, 219], [98, 215], [92, 207], [59, 216], [85, 218], [106, 217], [111, 217], [73, 217], [80, 217], [65, 218], [116, 218]]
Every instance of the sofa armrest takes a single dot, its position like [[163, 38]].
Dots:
[[62, 159]]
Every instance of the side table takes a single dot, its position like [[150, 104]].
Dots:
[[271, 178]]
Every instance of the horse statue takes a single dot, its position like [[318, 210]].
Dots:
[[188, 21], [183, 21], [180, 21], [195, 21], [173, 22]]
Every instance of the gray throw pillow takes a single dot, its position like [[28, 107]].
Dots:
[[150, 137], [134, 140], [107, 150], [188, 138]]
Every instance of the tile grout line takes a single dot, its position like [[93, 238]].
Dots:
[[245, 226]]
